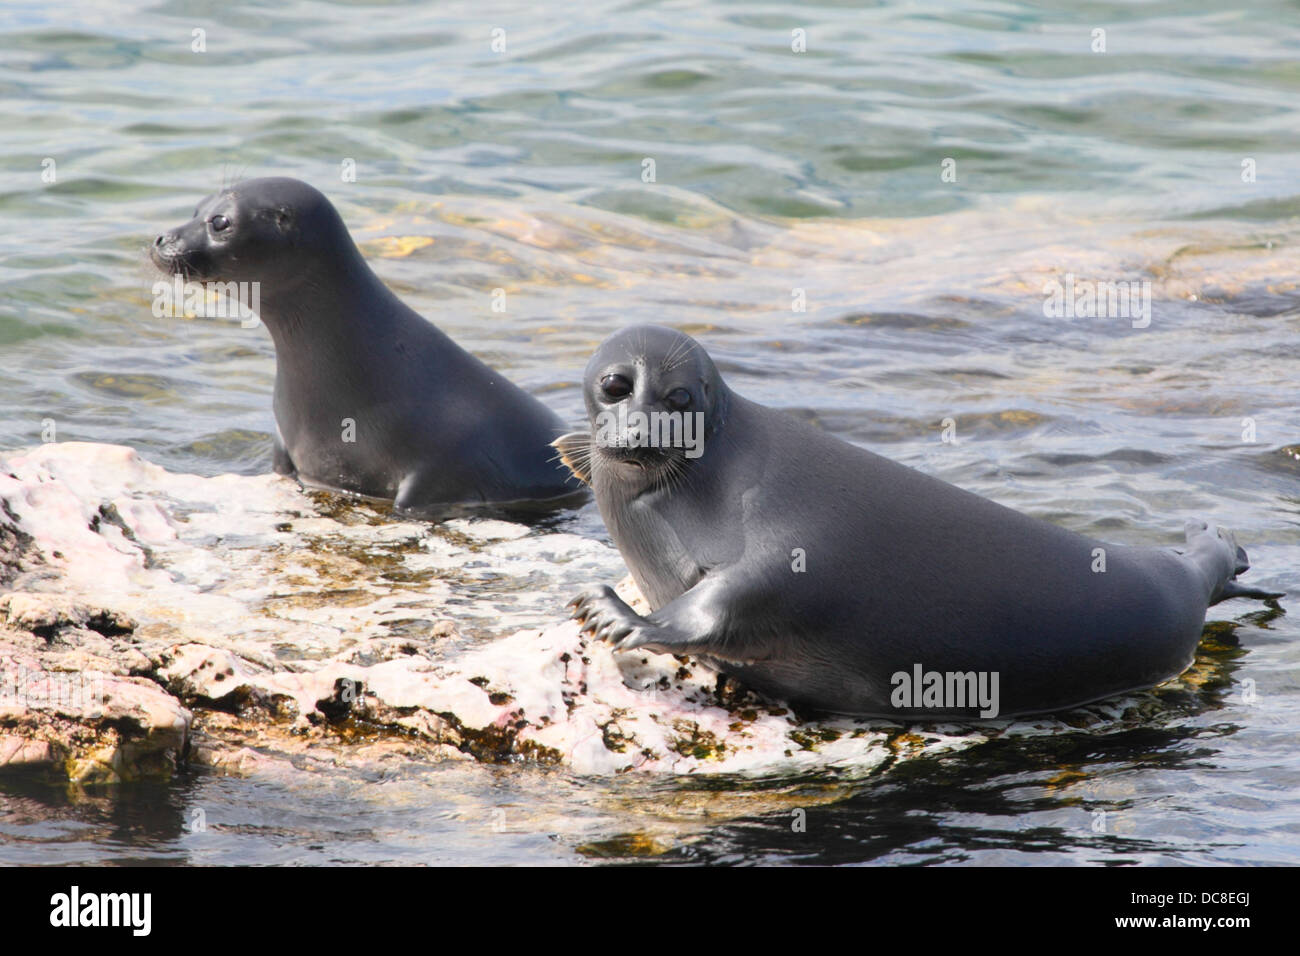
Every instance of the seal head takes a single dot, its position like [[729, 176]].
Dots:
[[654, 398], [241, 234]]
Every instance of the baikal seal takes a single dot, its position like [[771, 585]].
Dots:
[[821, 574], [370, 398]]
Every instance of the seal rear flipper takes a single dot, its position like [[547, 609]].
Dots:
[[1231, 589], [1216, 552]]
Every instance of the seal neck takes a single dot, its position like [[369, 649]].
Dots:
[[340, 300]]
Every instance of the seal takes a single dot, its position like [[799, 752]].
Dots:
[[370, 398], [818, 573]]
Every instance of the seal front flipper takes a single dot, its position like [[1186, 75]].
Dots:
[[281, 463], [408, 492], [694, 623]]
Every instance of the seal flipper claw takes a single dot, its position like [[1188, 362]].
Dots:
[[604, 615], [601, 612]]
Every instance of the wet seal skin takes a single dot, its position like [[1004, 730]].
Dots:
[[370, 398], [824, 575]]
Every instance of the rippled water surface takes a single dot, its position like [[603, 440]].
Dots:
[[780, 177]]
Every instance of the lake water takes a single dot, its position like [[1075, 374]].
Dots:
[[860, 233]]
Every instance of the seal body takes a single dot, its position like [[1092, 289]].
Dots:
[[819, 573], [370, 397]]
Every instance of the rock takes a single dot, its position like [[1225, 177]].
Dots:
[[97, 727], [16, 750], [215, 678], [47, 614], [315, 631], [16, 551]]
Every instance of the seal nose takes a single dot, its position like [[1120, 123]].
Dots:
[[165, 245], [166, 249]]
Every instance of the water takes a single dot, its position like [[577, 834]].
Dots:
[[774, 172]]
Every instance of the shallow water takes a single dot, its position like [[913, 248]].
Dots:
[[775, 171]]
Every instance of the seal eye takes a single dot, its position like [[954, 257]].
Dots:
[[615, 386], [219, 223], [678, 399]]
